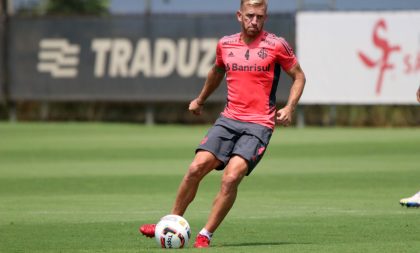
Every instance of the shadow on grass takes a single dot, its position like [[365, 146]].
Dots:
[[258, 244]]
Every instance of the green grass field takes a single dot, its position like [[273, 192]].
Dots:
[[87, 188]]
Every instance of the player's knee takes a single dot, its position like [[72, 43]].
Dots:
[[230, 183], [196, 171]]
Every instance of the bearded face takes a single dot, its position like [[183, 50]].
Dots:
[[252, 19]]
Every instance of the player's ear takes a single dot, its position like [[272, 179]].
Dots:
[[239, 15]]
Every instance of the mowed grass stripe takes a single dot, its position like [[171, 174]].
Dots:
[[86, 188]]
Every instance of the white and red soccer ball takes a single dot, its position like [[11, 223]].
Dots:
[[172, 231]]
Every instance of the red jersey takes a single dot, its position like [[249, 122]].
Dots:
[[252, 74]]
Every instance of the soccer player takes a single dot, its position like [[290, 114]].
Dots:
[[252, 61], [413, 201]]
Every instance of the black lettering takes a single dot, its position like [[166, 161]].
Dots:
[[234, 67], [248, 68], [169, 240]]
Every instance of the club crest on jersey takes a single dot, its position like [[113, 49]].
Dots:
[[262, 53]]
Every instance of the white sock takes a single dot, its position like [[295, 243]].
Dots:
[[206, 233]]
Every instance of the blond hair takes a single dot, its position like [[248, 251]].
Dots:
[[254, 2]]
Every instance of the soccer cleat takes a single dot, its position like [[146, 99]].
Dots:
[[413, 201], [148, 230], [201, 241]]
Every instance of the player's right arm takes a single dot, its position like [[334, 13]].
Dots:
[[214, 78]]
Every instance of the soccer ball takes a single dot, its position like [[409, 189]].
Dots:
[[172, 232]]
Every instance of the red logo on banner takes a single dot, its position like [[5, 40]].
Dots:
[[384, 45]]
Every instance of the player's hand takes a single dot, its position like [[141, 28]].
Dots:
[[284, 116], [196, 107]]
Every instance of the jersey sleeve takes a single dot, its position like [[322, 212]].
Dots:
[[219, 59], [285, 55]]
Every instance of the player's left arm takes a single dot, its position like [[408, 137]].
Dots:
[[284, 116]]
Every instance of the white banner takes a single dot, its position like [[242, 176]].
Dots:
[[359, 57]]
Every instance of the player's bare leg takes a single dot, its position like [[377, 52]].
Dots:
[[234, 172], [203, 163]]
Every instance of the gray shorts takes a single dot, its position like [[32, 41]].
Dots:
[[230, 137]]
